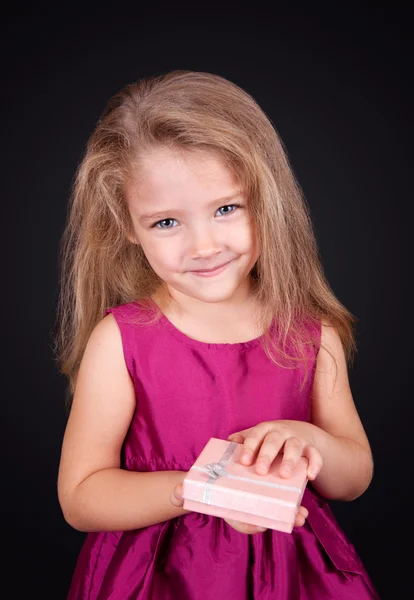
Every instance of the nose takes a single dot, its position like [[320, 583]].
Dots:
[[204, 244]]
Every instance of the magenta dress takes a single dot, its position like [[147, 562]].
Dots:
[[188, 391]]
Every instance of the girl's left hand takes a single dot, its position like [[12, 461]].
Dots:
[[293, 439]]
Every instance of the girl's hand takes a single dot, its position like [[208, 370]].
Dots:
[[264, 442], [293, 439], [176, 499], [251, 529], [176, 496]]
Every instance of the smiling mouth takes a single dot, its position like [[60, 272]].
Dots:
[[211, 272]]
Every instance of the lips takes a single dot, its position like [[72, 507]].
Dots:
[[212, 270]]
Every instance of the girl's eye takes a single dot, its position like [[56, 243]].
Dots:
[[165, 224], [221, 212], [228, 208]]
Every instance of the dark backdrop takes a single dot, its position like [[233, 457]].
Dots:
[[337, 86]]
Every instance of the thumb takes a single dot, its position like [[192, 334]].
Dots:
[[176, 496]]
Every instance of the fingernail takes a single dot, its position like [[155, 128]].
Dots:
[[262, 466], [246, 455]]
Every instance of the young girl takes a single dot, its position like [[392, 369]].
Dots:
[[194, 305]]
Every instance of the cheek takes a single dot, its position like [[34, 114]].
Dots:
[[160, 254], [243, 238]]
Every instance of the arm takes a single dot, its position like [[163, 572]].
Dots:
[[95, 494], [336, 427], [335, 443]]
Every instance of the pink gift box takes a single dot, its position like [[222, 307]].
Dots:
[[218, 484]]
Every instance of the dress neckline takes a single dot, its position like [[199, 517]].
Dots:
[[183, 337]]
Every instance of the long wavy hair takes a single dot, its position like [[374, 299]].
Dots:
[[100, 267]]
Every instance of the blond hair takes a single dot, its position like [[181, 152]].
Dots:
[[101, 268]]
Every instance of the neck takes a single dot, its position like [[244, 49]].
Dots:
[[238, 319], [242, 303]]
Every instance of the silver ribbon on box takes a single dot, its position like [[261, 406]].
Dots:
[[218, 469]]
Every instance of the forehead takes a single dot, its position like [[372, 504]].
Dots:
[[171, 175]]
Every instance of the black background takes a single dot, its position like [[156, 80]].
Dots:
[[337, 86]]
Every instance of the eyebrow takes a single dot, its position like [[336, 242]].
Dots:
[[151, 217]]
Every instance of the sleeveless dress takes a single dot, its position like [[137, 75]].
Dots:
[[188, 391]]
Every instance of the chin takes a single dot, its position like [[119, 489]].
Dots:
[[213, 299], [212, 296]]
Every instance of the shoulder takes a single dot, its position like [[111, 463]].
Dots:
[[331, 369], [333, 408], [105, 342], [142, 313], [130, 330], [104, 374], [330, 342], [124, 311]]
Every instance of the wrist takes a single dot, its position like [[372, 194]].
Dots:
[[318, 438], [315, 436]]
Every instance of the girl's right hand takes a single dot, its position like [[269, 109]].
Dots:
[[176, 498], [245, 527], [252, 529]]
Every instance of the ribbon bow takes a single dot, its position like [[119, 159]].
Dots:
[[215, 470]]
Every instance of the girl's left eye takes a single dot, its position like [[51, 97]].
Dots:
[[227, 209]]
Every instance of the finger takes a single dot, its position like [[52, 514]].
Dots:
[[299, 520], [270, 448], [176, 496], [247, 528], [315, 461], [237, 437], [253, 441], [292, 451], [303, 511], [301, 517]]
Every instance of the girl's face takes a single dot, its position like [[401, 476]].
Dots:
[[193, 224]]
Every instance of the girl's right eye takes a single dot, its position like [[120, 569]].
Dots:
[[165, 224]]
